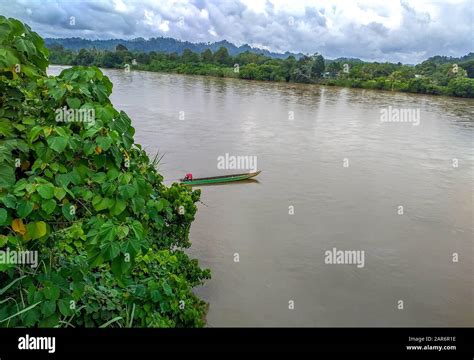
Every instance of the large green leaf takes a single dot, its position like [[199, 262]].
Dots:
[[7, 176], [8, 57], [48, 206], [36, 230], [10, 201], [104, 142], [48, 308], [57, 143], [167, 289], [6, 128], [108, 232], [127, 191], [30, 318], [59, 193], [137, 228], [110, 251], [24, 208], [3, 217], [74, 103], [118, 207], [51, 292], [68, 211], [46, 191], [64, 306], [99, 203]]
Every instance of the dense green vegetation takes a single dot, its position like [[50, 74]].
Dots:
[[109, 236], [159, 44], [438, 75]]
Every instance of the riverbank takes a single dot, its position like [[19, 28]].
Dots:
[[448, 79], [328, 84]]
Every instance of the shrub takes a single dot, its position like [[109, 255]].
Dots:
[[109, 235], [463, 87]]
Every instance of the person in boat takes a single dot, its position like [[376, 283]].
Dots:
[[188, 177]]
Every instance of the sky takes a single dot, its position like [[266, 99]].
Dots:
[[408, 31]]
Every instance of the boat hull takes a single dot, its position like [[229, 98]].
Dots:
[[221, 179]]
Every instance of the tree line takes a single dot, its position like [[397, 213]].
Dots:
[[437, 75]]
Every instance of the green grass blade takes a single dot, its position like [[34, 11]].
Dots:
[[11, 284], [110, 322], [21, 312], [131, 317]]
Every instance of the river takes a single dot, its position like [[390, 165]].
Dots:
[[334, 175]]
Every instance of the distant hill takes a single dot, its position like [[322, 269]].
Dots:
[[344, 60], [170, 45], [161, 44], [450, 60]]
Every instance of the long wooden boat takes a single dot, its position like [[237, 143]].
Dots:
[[220, 179]]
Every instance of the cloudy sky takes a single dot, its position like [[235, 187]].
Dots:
[[393, 30]]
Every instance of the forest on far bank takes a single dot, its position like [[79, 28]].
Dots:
[[439, 75]]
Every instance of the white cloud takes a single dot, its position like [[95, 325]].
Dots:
[[404, 30], [120, 6], [204, 14], [164, 26]]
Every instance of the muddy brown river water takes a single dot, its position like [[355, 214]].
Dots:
[[334, 176]]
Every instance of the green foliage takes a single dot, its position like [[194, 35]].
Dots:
[[222, 56], [462, 87], [433, 76], [425, 78], [110, 237], [308, 69], [121, 47], [189, 57], [206, 56]]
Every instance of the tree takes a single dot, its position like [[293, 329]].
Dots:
[[206, 56], [288, 66], [143, 58], [469, 67], [334, 67], [84, 57], [463, 87], [222, 56], [249, 72], [173, 56], [317, 66], [112, 60], [121, 47], [309, 68], [189, 57], [248, 57]]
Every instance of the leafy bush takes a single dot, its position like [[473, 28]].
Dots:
[[109, 235], [463, 87]]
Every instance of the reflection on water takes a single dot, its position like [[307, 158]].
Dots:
[[303, 135]]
